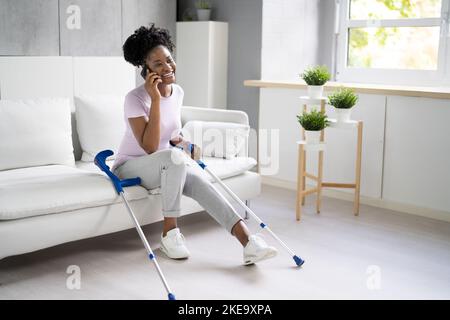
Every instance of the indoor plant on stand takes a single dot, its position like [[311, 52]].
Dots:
[[315, 78], [313, 122], [343, 101], [203, 10]]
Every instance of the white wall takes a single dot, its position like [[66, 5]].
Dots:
[[290, 38]]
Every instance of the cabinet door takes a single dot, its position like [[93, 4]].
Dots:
[[417, 153]]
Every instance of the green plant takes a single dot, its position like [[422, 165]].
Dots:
[[313, 121], [343, 98], [316, 76], [203, 4], [188, 14]]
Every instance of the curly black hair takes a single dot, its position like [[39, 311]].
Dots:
[[143, 40]]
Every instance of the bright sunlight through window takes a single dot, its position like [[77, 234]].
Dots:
[[394, 47], [408, 35]]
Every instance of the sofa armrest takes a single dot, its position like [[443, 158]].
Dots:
[[207, 114], [217, 115]]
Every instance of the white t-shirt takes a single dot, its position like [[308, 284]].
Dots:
[[137, 104]]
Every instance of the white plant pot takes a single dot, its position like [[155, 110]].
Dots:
[[312, 137], [315, 92], [203, 14], [343, 115]]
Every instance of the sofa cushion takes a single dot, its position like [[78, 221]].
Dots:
[[100, 123], [35, 133], [217, 139], [90, 166], [223, 168], [50, 189], [226, 168]]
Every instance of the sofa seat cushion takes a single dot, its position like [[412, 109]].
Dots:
[[51, 189], [90, 166], [223, 168]]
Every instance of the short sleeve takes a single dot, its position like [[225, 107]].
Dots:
[[134, 107], [181, 91], [180, 96]]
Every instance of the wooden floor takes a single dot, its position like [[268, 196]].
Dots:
[[381, 254]]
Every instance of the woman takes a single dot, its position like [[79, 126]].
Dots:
[[153, 125]]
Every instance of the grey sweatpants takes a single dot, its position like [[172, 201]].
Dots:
[[175, 174]]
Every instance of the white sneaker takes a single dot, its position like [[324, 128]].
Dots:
[[174, 245], [257, 250]]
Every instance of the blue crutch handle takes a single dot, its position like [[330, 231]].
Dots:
[[191, 149], [130, 182], [201, 164], [100, 161]]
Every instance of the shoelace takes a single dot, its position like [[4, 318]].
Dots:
[[259, 240], [179, 239]]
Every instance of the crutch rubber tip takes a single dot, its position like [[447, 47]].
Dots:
[[172, 296], [298, 260]]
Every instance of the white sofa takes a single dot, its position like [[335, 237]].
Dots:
[[48, 196]]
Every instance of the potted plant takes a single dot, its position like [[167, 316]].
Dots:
[[343, 101], [203, 10], [315, 78], [313, 122]]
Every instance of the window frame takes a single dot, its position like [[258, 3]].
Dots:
[[438, 77]]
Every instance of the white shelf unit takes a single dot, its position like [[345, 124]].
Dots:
[[202, 62], [302, 173], [333, 123]]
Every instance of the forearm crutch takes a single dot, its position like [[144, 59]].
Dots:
[[100, 161], [298, 261]]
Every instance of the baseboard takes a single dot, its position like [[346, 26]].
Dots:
[[375, 202]]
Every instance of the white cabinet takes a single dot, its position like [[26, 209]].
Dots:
[[202, 62]]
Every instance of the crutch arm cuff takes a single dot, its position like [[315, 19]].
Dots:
[[100, 161], [130, 182]]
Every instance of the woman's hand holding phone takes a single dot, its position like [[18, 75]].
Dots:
[[192, 150], [196, 153], [152, 79]]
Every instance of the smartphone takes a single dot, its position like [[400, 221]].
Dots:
[[144, 71]]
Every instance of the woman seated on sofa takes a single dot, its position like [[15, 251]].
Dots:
[[153, 124]]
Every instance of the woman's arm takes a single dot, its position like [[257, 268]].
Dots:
[[147, 133]]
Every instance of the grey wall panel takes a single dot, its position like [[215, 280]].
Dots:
[[29, 27], [326, 33], [99, 32], [244, 52], [136, 13]]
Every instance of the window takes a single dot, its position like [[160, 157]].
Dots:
[[393, 41]]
